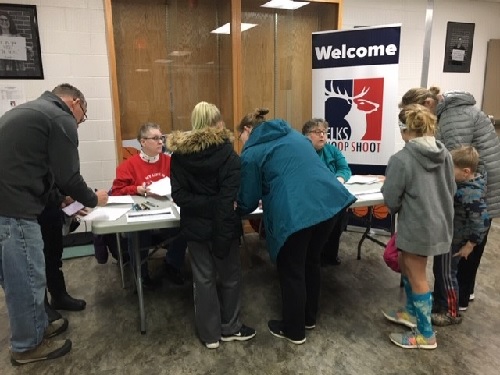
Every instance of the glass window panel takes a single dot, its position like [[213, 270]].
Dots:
[[277, 57], [168, 60]]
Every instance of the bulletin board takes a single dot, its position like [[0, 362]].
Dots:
[[491, 93]]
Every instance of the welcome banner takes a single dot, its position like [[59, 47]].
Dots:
[[355, 88]]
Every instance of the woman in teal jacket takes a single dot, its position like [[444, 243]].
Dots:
[[316, 130], [301, 202]]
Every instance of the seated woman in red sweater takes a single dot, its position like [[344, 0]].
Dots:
[[133, 177]]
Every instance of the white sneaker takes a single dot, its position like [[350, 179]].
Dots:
[[212, 345], [462, 308], [471, 297]]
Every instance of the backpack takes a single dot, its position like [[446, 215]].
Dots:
[[391, 254]]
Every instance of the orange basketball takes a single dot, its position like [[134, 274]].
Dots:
[[380, 211], [360, 211]]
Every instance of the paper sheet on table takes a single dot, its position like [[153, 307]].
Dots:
[[106, 213], [360, 179], [368, 192], [370, 196], [150, 215], [161, 187], [120, 199]]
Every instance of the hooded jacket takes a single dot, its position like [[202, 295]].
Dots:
[[461, 123], [335, 161], [471, 221], [297, 190], [39, 147], [205, 178], [419, 187]]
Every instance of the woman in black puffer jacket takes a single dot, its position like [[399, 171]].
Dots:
[[205, 178]]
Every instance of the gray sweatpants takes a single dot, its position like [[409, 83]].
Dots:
[[216, 311]]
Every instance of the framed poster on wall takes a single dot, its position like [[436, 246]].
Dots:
[[458, 47], [20, 55]]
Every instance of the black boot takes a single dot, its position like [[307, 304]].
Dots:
[[64, 301], [52, 314]]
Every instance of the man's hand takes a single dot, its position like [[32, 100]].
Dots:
[[102, 197], [67, 201]]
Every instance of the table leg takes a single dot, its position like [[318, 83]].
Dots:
[[120, 259], [366, 233], [138, 279]]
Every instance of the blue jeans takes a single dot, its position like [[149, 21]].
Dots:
[[22, 276]]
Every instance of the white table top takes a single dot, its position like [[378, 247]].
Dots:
[[121, 225], [366, 193]]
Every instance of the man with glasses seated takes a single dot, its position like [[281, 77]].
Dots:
[[133, 177], [316, 130]]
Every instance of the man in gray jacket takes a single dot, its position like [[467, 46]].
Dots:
[[38, 148]]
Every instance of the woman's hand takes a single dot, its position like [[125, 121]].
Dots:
[[142, 190]]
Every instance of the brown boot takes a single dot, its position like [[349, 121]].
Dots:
[[47, 349]]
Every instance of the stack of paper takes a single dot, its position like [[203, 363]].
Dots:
[[120, 199], [360, 179], [106, 213], [161, 187], [116, 207]]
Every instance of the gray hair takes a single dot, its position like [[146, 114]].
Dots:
[[145, 128], [312, 124]]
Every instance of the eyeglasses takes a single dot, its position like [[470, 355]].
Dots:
[[84, 118], [84, 113], [318, 132], [155, 138]]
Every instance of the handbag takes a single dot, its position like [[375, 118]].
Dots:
[[391, 254]]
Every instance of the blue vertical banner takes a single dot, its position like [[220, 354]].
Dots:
[[355, 88]]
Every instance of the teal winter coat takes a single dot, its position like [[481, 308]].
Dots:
[[279, 166], [335, 161]]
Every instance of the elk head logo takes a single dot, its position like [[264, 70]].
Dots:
[[348, 113]]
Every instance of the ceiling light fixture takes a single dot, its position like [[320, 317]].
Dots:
[[285, 4], [163, 61], [226, 28], [179, 53]]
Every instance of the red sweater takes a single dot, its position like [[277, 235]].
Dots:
[[134, 172]]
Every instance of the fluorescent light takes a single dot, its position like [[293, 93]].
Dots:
[[163, 61], [179, 53], [285, 4], [226, 29]]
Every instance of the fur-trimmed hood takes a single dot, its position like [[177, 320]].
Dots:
[[195, 141], [201, 151]]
